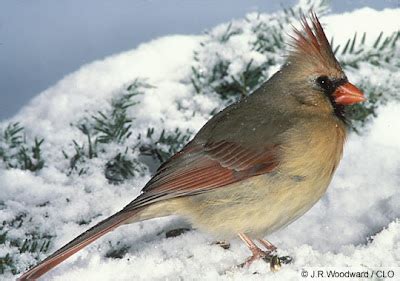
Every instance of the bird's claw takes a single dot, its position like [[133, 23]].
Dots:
[[274, 261], [268, 256], [286, 259]]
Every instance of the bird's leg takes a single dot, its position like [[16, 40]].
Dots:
[[256, 251], [268, 256], [270, 247]]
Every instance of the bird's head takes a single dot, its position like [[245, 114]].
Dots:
[[315, 76]]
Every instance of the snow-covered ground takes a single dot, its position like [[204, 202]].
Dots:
[[355, 224]]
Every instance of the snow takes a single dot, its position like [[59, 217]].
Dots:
[[371, 22], [355, 224]]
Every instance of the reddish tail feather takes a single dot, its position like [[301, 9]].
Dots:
[[77, 244]]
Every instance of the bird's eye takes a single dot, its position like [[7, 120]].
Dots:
[[325, 83]]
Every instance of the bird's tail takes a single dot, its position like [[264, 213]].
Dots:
[[80, 242]]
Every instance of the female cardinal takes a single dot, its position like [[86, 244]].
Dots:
[[256, 166]]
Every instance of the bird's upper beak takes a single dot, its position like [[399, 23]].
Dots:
[[348, 94]]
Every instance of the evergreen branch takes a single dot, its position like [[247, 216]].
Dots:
[[122, 167], [15, 151], [166, 145]]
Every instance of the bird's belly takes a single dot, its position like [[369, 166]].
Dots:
[[256, 206]]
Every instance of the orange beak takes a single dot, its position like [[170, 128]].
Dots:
[[348, 94]]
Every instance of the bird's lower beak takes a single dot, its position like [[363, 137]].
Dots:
[[348, 94]]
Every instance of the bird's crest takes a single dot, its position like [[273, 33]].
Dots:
[[311, 44]]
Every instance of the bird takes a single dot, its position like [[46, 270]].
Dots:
[[257, 165]]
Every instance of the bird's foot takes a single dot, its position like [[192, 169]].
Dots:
[[257, 255], [272, 249], [274, 261], [268, 256]]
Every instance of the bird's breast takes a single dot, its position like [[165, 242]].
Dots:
[[313, 150]]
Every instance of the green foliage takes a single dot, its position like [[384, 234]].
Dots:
[[229, 33], [7, 264], [35, 243], [16, 153], [270, 34], [103, 130], [122, 167], [221, 76], [76, 160], [30, 159], [166, 145], [244, 84], [216, 78], [114, 126], [110, 130], [117, 251], [81, 152], [384, 51], [12, 135]]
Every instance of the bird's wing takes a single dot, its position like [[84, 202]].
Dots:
[[202, 167]]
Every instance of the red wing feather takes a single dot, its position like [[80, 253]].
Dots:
[[199, 168]]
